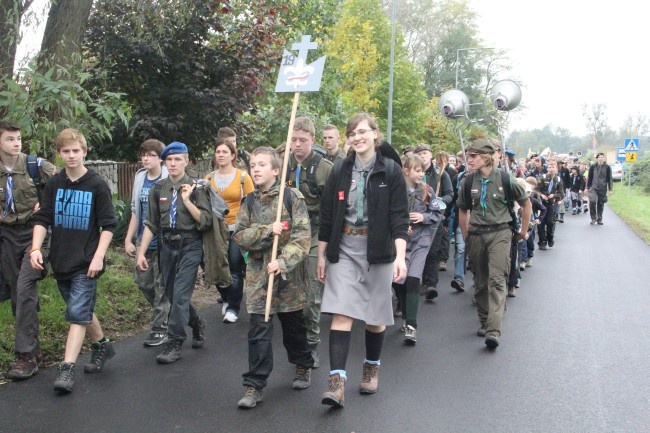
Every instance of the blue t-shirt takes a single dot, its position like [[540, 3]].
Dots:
[[144, 208]]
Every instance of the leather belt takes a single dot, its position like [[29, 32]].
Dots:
[[482, 230], [355, 230], [177, 235]]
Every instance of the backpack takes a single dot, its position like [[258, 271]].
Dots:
[[507, 189], [311, 174], [33, 164], [287, 200]]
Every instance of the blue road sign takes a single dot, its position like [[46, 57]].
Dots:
[[620, 154], [631, 145]]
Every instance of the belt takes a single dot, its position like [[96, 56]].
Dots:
[[355, 230], [489, 229], [177, 235]]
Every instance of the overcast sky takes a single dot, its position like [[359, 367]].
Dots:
[[571, 52]]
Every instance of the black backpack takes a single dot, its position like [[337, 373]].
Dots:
[[506, 180], [311, 175], [35, 173]]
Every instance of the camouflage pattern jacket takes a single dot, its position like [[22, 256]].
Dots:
[[252, 234]]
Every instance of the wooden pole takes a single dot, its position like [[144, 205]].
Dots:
[[278, 216]]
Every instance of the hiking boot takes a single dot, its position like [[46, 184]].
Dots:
[[172, 352], [24, 368], [302, 380], [599, 222], [529, 262], [492, 341], [458, 284], [370, 378], [482, 330], [593, 222], [542, 246], [155, 339], [314, 355], [522, 266], [101, 352], [198, 333], [431, 293], [512, 292], [335, 395], [409, 335], [64, 377], [551, 243], [250, 399], [443, 266]]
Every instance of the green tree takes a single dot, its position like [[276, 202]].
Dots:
[[11, 12]]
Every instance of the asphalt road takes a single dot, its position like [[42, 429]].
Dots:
[[574, 357]]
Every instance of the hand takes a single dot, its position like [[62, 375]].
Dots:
[[545, 198], [186, 191], [550, 196], [37, 206], [410, 231], [321, 268], [416, 217], [399, 269], [129, 248], [96, 266], [141, 263], [36, 260], [276, 228], [519, 236], [273, 267]]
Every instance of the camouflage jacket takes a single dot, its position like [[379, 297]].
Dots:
[[252, 235]]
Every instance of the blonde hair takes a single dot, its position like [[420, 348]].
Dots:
[[412, 161], [265, 150], [69, 136]]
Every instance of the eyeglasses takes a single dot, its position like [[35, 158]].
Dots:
[[358, 132], [149, 155]]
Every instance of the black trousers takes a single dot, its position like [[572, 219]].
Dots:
[[434, 257], [546, 227], [260, 348]]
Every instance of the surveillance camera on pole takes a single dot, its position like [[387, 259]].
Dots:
[[505, 95], [454, 103]]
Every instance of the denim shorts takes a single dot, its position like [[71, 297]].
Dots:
[[79, 294]]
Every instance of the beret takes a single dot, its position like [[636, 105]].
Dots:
[[172, 149]]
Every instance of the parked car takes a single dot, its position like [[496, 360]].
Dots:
[[617, 170]]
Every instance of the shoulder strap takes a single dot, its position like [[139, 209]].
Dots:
[[156, 189], [311, 173], [467, 190], [242, 177], [33, 169], [507, 187]]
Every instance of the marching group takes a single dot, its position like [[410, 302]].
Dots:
[[357, 225]]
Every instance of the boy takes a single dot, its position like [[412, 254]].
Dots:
[[22, 189], [77, 206], [148, 281], [254, 232], [551, 191], [179, 215]]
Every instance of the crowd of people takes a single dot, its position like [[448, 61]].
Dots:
[[362, 235]]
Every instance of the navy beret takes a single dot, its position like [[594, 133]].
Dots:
[[173, 148]]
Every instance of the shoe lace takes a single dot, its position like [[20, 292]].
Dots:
[[65, 373], [197, 330], [171, 347], [22, 364], [250, 392], [369, 372], [97, 354], [302, 372], [335, 383]]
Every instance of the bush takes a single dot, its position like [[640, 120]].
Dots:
[[641, 174]]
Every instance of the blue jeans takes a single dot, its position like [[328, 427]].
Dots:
[[79, 294], [459, 255], [179, 263]]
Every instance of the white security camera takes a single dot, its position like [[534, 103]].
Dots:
[[505, 95], [454, 103]]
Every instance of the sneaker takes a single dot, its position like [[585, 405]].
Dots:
[[24, 368], [101, 352], [172, 352], [593, 222], [403, 327], [64, 377], [155, 339], [512, 292], [335, 395], [224, 309], [370, 379], [492, 341], [482, 330], [599, 222], [198, 333], [314, 355], [409, 335], [250, 399], [431, 293], [522, 266], [574, 212], [551, 243], [529, 262], [302, 379], [458, 284], [443, 266], [542, 246], [230, 317]]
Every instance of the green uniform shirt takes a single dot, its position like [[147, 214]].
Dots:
[[158, 214], [338, 155], [24, 190], [496, 211], [322, 173]]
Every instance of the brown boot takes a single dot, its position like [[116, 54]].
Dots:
[[370, 379], [335, 396]]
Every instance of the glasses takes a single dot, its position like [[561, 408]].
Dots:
[[358, 132], [149, 155]]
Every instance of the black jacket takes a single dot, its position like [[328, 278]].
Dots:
[[388, 217]]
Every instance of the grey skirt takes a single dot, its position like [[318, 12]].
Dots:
[[357, 289]]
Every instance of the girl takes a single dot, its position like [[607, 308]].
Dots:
[[424, 215]]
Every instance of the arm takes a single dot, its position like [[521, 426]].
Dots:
[[463, 222], [130, 235], [525, 218], [186, 192], [36, 257], [141, 261], [399, 265], [446, 190], [97, 264], [321, 265]]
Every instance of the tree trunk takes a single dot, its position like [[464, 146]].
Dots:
[[11, 11], [64, 32]]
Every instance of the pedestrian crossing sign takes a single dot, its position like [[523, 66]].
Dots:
[[631, 144]]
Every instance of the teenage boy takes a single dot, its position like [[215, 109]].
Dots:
[[308, 171], [331, 139], [551, 191], [149, 281], [254, 232], [178, 213], [78, 208], [19, 194]]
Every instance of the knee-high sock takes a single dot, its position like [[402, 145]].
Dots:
[[412, 301], [339, 347], [374, 342]]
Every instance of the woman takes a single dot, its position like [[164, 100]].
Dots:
[[361, 250], [232, 184]]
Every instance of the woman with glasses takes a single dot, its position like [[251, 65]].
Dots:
[[361, 251]]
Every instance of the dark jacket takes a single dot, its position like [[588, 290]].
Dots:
[[388, 217], [605, 177]]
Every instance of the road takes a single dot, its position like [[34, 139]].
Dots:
[[574, 357]]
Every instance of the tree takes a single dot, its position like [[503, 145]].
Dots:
[[595, 121], [11, 13]]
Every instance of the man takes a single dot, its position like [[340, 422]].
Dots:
[[441, 184], [598, 182], [178, 215], [308, 172], [20, 199], [148, 281], [486, 225], [331, 140], [551, 191]]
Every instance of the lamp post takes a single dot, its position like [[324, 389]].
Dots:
[[389, 123]]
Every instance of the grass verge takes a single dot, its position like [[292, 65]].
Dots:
[[633, 208]]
